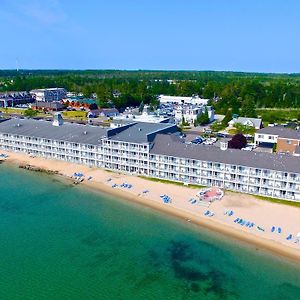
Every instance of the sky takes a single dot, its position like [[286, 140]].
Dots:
[[227, 35]]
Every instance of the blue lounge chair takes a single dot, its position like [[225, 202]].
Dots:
[[273, 229], [230, 214], [206, 213], [289, 237], [236, 220], [279, 230]]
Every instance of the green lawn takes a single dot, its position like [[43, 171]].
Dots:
[[11, 110], [75, 114], [274, 200], [194, 186], [278, 115]]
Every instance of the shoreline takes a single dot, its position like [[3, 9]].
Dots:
[[179, 210]]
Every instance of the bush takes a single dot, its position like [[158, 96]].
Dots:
[[30, 113], [238, 141]]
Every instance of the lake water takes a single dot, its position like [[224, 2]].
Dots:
[[59, 241]]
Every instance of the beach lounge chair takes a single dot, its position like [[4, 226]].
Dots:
[[279, 230], [260, 228], [289, 237], [236, 220], [230, 213], [273, 229], [206, 213]]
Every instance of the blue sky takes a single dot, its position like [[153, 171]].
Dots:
[[237, 35]]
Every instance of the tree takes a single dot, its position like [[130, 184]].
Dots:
[[203, 118], [217, 126], [245, 129], [227, 118], [238, 141], [248, 108], [30, 113], [141, 107]]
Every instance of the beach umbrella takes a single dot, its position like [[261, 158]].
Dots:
[[298, 235]]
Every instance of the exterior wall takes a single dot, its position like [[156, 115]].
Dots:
[[136, 158], [49, 95], [287, 145], [231, 177], [265, 138]]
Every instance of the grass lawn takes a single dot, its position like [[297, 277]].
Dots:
[[11, 110], [194, 186], [278, 115], [274, 200], [82, 115]]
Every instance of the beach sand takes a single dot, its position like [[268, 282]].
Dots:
[[263, 213]]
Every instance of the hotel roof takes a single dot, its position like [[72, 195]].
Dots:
[[137, 132], [173, 146], [70, 132], [141, 132]]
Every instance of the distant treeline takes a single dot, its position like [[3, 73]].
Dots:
[[227, 90]]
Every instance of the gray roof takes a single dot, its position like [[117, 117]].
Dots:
[[255, 121], [171, 145], [142, 132], [138, 132], [282, 132], [71, 132]]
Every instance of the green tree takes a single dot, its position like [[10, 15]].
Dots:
[[245, 129], [30, 113], [203, 118], [248, 108], [217, 126], [227, 118], [141, 107]]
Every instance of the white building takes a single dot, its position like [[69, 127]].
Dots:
[[196, 100], [49, 95], [190, 112], [253, 122], [155, 150]]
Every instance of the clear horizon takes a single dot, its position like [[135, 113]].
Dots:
[[258, 36]]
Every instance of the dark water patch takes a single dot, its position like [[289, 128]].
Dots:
[[94, 239], [11, 207], [187, 273], [147, 279], [100, 259], [194, 287], [180, 251]]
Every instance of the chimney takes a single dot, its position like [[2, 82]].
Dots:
[[224, 145]]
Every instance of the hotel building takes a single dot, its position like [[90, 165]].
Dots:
[[155, 150], [49, 95]]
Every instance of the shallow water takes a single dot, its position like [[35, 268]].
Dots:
[[58, 241]]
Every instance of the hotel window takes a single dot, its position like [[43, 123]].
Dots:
[[288, 142]]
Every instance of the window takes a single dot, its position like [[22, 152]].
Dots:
[[289, 142]]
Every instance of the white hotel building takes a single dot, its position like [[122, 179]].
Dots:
[[155, 150]]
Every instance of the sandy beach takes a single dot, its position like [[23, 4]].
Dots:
[[264, 214]]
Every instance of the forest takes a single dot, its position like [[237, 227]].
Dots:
[[240, 92]]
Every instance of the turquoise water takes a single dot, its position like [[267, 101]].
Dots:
[[59, 241]]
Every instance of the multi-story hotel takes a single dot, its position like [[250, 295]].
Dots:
[[49, 95], [155, 150]]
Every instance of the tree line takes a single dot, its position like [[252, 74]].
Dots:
[[240, 93]]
